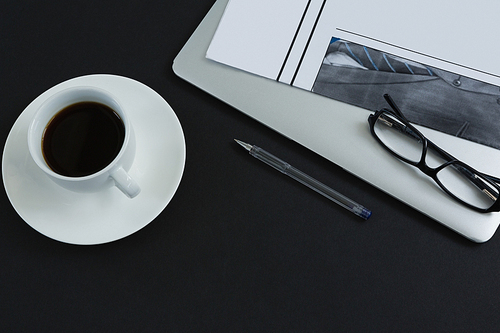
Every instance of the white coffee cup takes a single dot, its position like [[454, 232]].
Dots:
[[115, 173]]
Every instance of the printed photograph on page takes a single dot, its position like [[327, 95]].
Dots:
[[428, 96]]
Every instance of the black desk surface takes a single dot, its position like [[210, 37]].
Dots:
[[240, 248]]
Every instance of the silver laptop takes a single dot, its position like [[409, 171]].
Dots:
[[337, 131]]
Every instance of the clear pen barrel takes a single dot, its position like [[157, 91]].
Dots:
[[310, 182]]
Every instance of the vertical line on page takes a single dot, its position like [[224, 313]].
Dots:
[[308, 42], [293, 40]]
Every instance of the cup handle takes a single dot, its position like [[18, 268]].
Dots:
[[125, 183]]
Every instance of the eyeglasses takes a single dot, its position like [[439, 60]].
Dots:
[[472, 188]]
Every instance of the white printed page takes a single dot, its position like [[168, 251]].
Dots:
[[258, 36], [436, 59]]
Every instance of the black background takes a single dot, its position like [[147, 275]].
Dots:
[[241, 247]]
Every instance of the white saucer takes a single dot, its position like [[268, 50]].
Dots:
[[108, 215]]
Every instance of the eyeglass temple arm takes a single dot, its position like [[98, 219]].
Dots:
[[393, 105]]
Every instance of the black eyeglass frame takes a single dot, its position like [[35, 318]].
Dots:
[[422, 165]]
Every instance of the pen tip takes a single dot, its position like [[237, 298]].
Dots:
[[243, 144]]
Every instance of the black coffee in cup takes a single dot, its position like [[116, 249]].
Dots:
[[82, 139]]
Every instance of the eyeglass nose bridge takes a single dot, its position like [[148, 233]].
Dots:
[[422, 166]]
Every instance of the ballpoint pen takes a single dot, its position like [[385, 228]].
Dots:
[[310, 182]]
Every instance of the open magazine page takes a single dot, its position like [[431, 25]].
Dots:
[[435, 59]]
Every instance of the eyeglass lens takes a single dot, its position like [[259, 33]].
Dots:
[[468, 186], [396, 136]]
